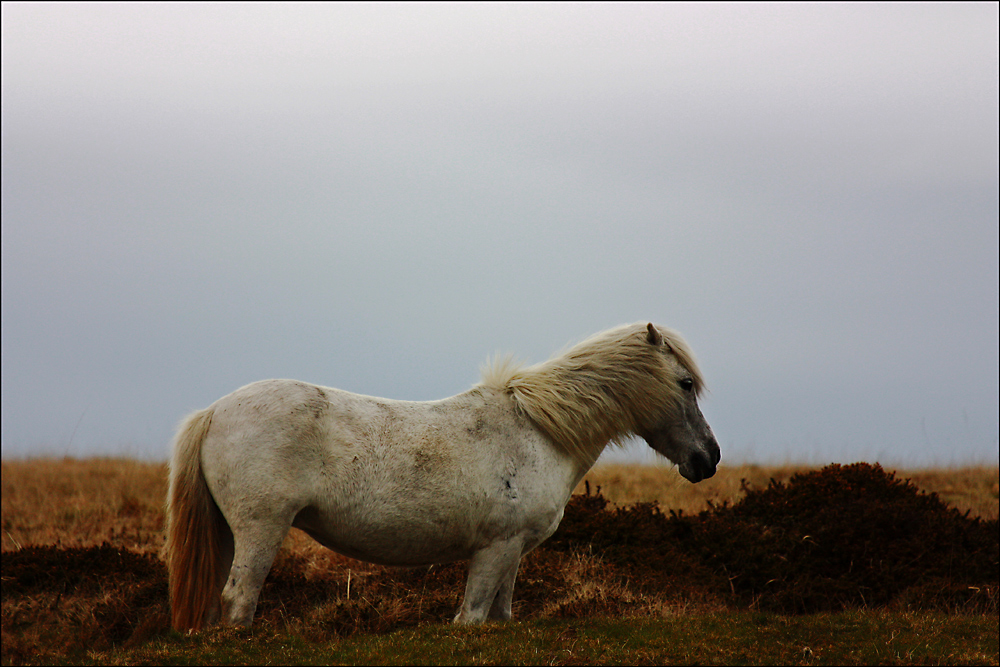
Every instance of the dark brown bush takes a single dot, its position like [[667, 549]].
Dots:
[[63, 602], [843, 536]]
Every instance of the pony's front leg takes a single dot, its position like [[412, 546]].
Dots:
[[500, 609], [490, 585]]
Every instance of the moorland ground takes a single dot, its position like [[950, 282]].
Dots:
[[754, 562]]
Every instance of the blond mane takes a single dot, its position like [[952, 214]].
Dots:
[[601, 390]]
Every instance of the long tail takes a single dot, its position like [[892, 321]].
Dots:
[[195, 528]]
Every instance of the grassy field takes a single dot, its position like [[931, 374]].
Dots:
[[86, 502], [744, 583], [730, 638]]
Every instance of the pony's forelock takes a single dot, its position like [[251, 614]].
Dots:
[[600, 390]]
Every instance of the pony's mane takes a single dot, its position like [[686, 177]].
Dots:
[[600, 390]]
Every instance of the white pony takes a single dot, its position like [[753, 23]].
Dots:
[[482, 476]]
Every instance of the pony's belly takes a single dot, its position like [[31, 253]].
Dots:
[[388, 542]]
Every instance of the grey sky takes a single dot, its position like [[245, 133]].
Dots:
[[376, 197]]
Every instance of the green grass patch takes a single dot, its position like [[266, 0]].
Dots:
[[856, 637]]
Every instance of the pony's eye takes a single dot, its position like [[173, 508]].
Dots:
[[687, 384]]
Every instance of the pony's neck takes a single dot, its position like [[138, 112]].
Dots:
[[578, 405], [601, 391]]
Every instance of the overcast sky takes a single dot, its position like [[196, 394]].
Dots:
[[377, 197]]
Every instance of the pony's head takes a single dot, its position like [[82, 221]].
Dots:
[[681, 432], [632, 380]]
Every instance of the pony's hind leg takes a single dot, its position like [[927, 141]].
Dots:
[[255, 548], [214, 614]]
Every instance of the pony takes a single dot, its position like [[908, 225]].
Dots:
[[482, 476]]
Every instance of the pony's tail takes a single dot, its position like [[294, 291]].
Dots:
[[194, 531]]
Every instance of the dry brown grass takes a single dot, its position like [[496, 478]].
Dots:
[[83, 502], [86, 502], [972, 488]]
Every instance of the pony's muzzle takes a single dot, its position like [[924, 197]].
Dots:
[[701, 465]]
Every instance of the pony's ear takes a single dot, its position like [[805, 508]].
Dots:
[[653, 335]]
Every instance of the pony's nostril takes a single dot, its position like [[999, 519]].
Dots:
[[704, 464]]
